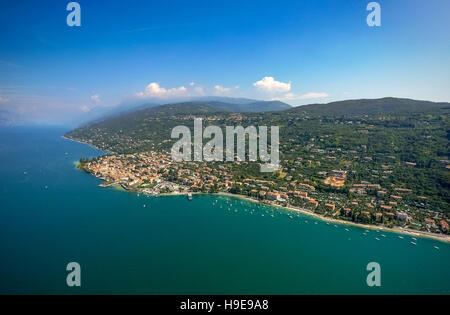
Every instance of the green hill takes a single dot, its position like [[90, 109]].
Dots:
[[371, 107]]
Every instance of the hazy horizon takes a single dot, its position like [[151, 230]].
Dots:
[[298, 52]]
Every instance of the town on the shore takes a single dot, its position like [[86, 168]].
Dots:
[[155, 173]]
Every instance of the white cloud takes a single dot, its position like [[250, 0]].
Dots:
[[269, 84], [95, 98], [154, 90], [218, 89]]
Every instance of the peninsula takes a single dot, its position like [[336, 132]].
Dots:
[[384, 169]]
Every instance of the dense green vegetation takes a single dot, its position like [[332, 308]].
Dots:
[[396, 143]]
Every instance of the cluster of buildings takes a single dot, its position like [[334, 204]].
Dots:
[[132, 170], [156, 173]]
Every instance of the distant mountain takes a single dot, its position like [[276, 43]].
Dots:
[[161, 117], [136, 113], [238, 105], [223, 99], [253, 107], [196, 107], [371, 107], [186, 108], [154, 121], [265, 106], [131, 119], [105, 112]]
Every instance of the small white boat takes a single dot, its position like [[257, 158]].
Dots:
[[377, 238], [383, 235], [401, 237], [347, 230], [415, 244], [436, 247]]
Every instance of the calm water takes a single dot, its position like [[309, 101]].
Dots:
[[176, 246]]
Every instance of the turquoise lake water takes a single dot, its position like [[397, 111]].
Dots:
[[211, 245]]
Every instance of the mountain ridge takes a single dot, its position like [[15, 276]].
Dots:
[[231, 104], [371, 106], [358, 107]]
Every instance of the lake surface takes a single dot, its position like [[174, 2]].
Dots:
[[52, 214]]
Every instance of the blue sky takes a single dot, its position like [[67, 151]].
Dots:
[[297, 51]]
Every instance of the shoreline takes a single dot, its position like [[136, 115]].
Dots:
[[437, 237], [422, 234], [413, 233], [85, 143]]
